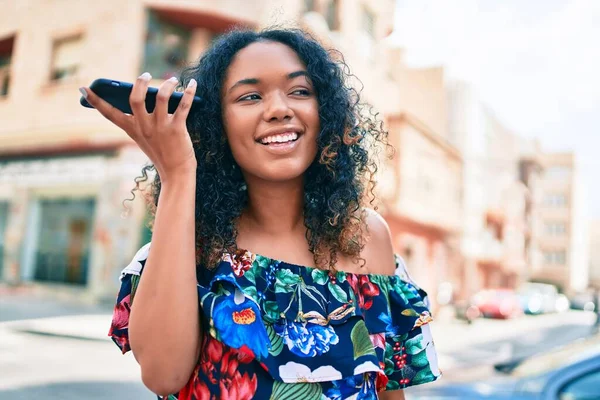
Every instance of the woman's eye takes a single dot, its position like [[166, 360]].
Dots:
[[252, 96], [302, 92]]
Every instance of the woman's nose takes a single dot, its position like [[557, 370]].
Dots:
[[278, 108]]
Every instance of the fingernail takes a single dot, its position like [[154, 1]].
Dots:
[[83, 92], [146, 76], [173, 79], [191, 83]]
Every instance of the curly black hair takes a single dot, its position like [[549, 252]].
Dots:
[[338, 183]]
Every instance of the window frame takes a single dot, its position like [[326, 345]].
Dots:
[[55, 41]]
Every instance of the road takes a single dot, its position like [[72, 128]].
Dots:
[[56, 350]]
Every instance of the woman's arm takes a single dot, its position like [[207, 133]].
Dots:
[[393, 395], [164, 327]]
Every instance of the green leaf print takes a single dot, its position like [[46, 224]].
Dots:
[[272, 311], [414, 345], [135, 280], [251, 292], [423, 376], [392, 385], [262, 262], [276, 340], [337, 292], [286, 280], [250, 275], [295, 391], [420, 359], [319, 277], [361, 341], [389, 366], [340, 276]]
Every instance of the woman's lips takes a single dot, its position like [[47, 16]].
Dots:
[[281, 148]]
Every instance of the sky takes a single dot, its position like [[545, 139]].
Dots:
[[535, 63]]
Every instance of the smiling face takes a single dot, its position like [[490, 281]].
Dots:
[[270, 113]]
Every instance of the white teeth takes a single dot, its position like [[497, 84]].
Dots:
[[282, 138]]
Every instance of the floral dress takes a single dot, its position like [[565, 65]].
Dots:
[[275, 330]]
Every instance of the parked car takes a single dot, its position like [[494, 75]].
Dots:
[[466, 311], [498, 303], [542, 298], [583, 301], [571, 372]]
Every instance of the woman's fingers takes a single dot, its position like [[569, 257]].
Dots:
[[137, 98], [186, 102], [108, 111], [162, 100]]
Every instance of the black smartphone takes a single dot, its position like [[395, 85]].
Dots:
[[117, 94]]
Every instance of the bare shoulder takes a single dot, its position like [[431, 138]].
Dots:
[[378, 251]]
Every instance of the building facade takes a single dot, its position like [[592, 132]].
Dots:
[[564, 238], [500, 188], [65, 170], [422, 185], [594, 273]]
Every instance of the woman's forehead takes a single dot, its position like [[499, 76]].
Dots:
[[264, 59]]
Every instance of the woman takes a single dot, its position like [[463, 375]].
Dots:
[[266, 276]]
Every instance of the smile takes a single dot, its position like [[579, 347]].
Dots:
[[286, 137], [281, 143]]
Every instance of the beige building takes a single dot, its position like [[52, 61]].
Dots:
[[564, 239], [64, 170], [595, 254], [422, 186], [500, 186]]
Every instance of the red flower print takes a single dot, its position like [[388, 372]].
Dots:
[[121, 312], [240, 262], [381, 381], [378, 340], [220, 364], [119, 324], [195, 389], [365, 290], [241, 387]]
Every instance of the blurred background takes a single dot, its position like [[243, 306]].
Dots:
[[492, 198]]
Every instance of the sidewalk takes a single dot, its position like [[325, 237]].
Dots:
[[450, 335], [84, 327]]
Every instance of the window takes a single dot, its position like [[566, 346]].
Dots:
[[556, 200], [166, 47], [6, 48], [368, 22], [333, 15], [64, 240], [581, 388], [309, 5], [3, 223], [556, 228], [558, 173], [66, 58], [4, 75], [555, 257]]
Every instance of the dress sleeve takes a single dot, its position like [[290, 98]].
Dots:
[[410, 355], [130, 277]]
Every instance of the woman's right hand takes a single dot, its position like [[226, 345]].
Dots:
[[163, 137]]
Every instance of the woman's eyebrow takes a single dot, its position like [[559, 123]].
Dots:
[[255, 81]]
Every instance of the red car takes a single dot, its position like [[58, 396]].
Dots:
[[498, 303]]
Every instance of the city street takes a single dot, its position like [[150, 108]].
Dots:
[[57, 350]]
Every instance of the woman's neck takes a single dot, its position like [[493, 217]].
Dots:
[[274, 208]]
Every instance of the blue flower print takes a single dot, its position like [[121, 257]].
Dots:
[[390, 329], [306, 339], [364, 389], [238, 322]]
